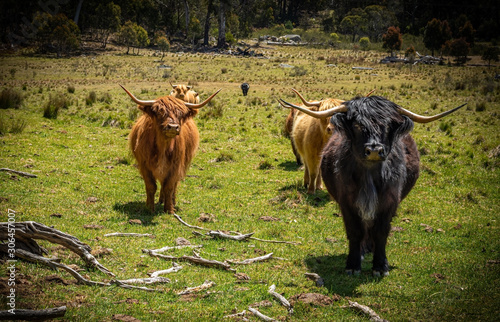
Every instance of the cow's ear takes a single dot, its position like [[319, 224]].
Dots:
[[148, 109], [340, 122], [405, 127]]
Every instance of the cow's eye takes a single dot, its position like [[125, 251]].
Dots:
[[358, 127]]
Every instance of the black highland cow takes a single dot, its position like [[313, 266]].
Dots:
[[368, 166]]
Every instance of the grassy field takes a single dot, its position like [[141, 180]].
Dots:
[[443, 251]]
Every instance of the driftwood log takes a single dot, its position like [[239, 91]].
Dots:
[[33, 315], [24, 174], [28, 231]]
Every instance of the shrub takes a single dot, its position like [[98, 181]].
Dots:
[[364, 43], [106, 98], [481, 107], [10, 98], [17, 126], [91, 98], [213, 111], [56, 102], [71, 89], [298, 71]]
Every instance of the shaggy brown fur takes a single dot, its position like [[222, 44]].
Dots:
[[288, 133], [185, 94], [164, 140], [309, 136]]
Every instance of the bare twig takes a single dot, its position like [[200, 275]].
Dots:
[[24, 174], [147, 280], [192, 259], [219, 234], [204, 286], [366, 310], [128, 235], [186, 224], [30, 230], [30, 315], [280, 298], [167, 248], [260, 315], [252, 260], [270, 241], [175, 268], [240, 315], [316, 278]]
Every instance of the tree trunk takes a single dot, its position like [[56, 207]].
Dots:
[[207, 23], [221, 42], [77, 13], [186, 9]]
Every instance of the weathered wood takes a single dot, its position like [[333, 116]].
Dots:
[[175, 268], [366, 310], [260, 315], [128, 235], [219, 234], [204, 286], [33, 315], [186, 224], [167, 248], [146, 280], [280, 298], [192, 259], [253, 260], [21, 173], [29, 230]]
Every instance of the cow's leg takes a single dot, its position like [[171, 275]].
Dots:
[[380, 232], [169, 189], [150, 183], [355, 233], [306, 176], [161, 199], [313, 180]]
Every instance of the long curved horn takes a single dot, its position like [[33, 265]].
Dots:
[[139, 102], [319, 115], [426, 119], [371, 92], [173, 86], [306, 103], [200, 105]]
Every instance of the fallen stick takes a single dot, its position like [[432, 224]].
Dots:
[[366, 310], [176, 267], [192, 259], [280, 298], [240, 315], [260, 315], [167, 248], [146, 280], [30, 315], [24, 174], [42, 260], [27, 231], [252, 260], [270, 241], [219, 234], [186, 224], [204, 286], [128, 235]]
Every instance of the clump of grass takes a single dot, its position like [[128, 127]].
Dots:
[[298, 71], [223, 70], [445, 127], [10, 98], [265, 165], [54, 104], [224, 157], [71, 89], [106, 98], [91, 98], [480, 107], [16, 126], [213, 111]]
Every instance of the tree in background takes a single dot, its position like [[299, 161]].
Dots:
[[436, 34], [364, 43], [127, 35], [57, 33], [467, 32], [107, 20], [377, 19], [163, 44], [352, 25], [393, 40], [490, 54], [459, 48], [142, 37]]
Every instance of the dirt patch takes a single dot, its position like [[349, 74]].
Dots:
[[314, 299]]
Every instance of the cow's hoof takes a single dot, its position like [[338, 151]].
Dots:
[[353, 272], [379, 273]]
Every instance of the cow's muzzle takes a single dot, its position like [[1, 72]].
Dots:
[[375, 152], [172, 130]]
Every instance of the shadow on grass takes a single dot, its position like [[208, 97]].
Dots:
[[138, 210], [289, 166], [332, 270], [298, 192]]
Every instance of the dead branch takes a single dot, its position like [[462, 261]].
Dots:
[[33, 315], [240, 315], [316, 278], [167, 248], [270, 241], [175, 268], [204, 286], [260, 315], [30, 230], [24, 174], [128, 235], [280, 298], [147, 280], [192, 259], [186, 224], [220, 234], [252, 260], [366, 310]]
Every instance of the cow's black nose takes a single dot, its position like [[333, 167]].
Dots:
[[374, 151]]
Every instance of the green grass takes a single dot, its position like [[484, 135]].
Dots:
[[245, 170]]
